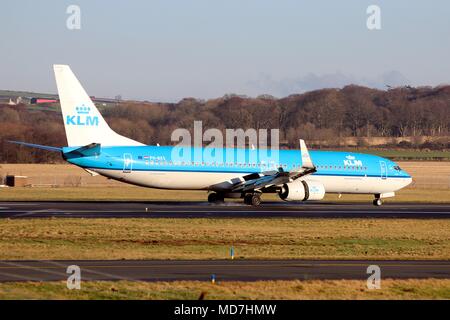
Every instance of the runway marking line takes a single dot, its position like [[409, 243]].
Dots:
[[55, 211], [231, 265], [29, 213]]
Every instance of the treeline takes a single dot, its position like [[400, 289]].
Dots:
[[326, 115]]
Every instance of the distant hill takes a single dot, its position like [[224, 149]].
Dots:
[[26, 94]]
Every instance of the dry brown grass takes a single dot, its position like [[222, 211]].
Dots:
[[299, 290], [428, 174], [56, 174], [122, 193], [212, 238]]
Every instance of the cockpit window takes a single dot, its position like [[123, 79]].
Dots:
[[397, 168]]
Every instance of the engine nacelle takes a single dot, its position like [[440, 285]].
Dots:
[[300, 190]]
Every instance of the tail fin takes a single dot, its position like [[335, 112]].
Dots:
[[82, 121]]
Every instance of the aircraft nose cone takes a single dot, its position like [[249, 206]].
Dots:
[[408, 181]]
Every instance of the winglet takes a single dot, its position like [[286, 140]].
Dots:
[[306, 159]]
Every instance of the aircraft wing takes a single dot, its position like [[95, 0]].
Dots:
[[263, 180]]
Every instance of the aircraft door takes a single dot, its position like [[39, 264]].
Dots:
[[383, 168], [127, 162]]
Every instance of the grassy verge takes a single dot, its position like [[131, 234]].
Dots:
[[315, 289], [131, 193], [125, 192], [212, 238]]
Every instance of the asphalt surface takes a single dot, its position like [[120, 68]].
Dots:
[[44, 209], [223, 270]]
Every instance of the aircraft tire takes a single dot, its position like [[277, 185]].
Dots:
[[248, 198], [255, 200], [214, 197], [377, 202]]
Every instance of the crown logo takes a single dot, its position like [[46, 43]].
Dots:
[[349, 157], [83, 109]]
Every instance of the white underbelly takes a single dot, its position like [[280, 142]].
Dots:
[[185, 180], [370, 185], [182, 180]]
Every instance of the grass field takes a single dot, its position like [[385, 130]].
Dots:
[[212, 238], [300, 290], [407, 154]]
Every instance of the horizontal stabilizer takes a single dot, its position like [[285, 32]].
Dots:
[[38, 146]]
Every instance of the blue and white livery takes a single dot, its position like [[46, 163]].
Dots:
[[298, 175]]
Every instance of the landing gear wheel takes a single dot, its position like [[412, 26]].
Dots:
[[248, 199], [377, 202], [256, 200], [215, 197]]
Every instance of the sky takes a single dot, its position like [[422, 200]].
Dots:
[[165, 50]]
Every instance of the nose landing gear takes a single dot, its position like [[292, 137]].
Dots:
[[377, 202]]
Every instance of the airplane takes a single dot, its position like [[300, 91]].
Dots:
[[299, 175]]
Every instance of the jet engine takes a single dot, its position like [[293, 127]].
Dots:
[[300, 190]]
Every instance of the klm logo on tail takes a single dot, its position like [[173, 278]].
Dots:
[[82, 118]]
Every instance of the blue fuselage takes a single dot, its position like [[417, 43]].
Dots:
[[240, 161]]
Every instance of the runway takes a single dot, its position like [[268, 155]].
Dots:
[[223, 270], [196, 209]]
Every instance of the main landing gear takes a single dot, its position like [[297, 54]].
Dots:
[[214, 197], [253, 199]]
